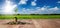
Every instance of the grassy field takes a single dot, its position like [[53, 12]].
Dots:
[[30, 16]]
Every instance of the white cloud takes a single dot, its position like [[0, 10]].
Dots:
[[58, 2], [54, 9], [23, 2], [14, 6], [8, 7], [33, 3], [41, 10]]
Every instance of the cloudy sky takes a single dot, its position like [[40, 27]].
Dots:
[[30, 6]]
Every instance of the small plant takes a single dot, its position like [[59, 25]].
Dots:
[[16, 12], [16, 19]]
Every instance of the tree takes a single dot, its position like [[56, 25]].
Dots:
[[16, 12], [16, 21]]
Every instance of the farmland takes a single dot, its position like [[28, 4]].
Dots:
[[25, 16], [36, 21]]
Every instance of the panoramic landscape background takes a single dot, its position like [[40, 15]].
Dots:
[[30, 9]]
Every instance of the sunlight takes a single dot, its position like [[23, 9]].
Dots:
[[8, 7]]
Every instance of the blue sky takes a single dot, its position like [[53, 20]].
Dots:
[[30, 6]]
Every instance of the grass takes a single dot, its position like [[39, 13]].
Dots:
[[30, 16]]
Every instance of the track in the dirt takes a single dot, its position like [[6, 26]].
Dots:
[[42, 23]]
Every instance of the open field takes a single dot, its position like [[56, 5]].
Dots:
[[41, 23], [30, 16]]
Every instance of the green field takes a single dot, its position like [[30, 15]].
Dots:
[[30, 16]]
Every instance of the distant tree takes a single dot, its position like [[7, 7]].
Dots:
[[18, 14], [32, 14]]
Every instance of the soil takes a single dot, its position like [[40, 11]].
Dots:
[[39, 23]]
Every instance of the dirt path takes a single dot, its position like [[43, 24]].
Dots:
[[49, 23], [41, 23], [36, 24]]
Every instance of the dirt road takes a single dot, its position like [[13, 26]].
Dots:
[[41, 23]]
